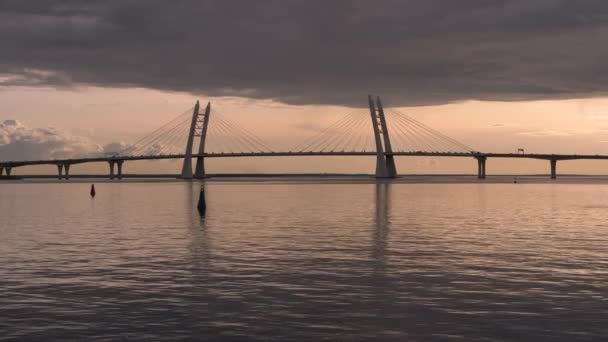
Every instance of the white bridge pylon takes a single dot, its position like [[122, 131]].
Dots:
[[385, 161], [198, 128]]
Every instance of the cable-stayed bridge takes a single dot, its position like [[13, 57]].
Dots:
[[199, 133]]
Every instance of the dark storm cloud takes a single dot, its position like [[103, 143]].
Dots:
[[314, 52]]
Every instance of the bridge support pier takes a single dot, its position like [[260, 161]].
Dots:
[[385, 162], [187, 166], [8, 171], [1, 171], [391, 168], [553, 163], [381, 171], [66, 167], [111, 163], [481, 167], [199, 172], [119, 168], [59, 171]]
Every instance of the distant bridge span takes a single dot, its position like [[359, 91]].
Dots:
[[481, 158], [340, 139]]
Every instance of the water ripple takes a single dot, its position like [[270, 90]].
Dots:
[[297, 261]]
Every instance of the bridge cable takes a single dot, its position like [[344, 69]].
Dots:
[[422, 136], [336, 135], [245, 138], [147, 138], [144, 144], [245, 142], [260, 143], [431, 141], [253, 139], [355, 133], [165, 142], [404, 135], [214, 139], [159, 144], [304, 145], [223, 137], [435, 132], [422, 142], [178, 139], [349, 132], [320, 138], [237, 141]]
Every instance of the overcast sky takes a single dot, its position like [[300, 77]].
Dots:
[[477, 69], [310, 52]]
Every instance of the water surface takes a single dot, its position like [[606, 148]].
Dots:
[[304, 261]]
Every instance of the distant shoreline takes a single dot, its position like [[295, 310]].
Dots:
[[338, 178]]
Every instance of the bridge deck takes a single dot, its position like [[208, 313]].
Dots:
[[303, 154]]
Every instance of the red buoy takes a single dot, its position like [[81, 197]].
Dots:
[[92, 190]]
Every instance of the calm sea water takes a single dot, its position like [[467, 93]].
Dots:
[[305, 261]]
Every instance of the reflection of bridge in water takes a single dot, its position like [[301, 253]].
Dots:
[[381, 223], [348, 136]]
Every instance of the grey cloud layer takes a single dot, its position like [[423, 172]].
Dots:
[[19, 142], [314, 52]]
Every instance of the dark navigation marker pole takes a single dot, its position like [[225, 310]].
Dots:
[[202, 204]]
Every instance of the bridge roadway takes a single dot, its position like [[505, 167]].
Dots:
[[118, 160]]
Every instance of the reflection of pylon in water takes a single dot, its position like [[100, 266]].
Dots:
[[92, 190]]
